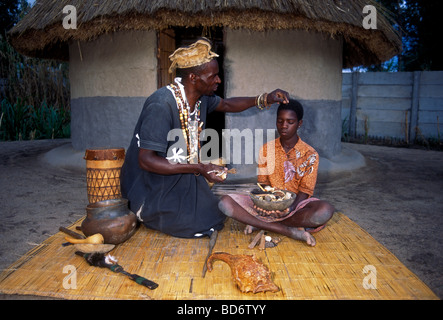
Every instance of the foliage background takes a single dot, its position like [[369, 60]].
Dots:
[[34, 101], [419, 24]]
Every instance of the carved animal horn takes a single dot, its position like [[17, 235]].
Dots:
[[223, 256]]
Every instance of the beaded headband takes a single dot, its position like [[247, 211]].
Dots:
[[193, 55]]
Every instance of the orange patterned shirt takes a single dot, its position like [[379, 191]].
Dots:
[[294, 171]]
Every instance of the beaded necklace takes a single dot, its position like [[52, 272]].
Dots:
[[191, 129]]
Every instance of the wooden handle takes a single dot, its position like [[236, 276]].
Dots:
[[212, 241], [73, 234], [94, 239]]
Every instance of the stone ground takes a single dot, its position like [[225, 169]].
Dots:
[[397, 197]]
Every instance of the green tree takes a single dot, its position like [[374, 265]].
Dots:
[[422, 26], [418, 22], [9, 14], [11, 11], [34, 93]]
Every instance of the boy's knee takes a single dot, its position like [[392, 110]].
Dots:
[[225, 206], [327, 211], [324, 212]]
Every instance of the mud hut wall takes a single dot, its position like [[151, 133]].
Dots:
[[308, 65], [110, 78]]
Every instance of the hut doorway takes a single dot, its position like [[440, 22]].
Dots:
[[170, 39], [165, 47]]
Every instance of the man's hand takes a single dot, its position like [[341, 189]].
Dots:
[[212, 172], [278, 96], [150, 161]]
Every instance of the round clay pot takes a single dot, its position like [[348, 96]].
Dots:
[[111, 218]]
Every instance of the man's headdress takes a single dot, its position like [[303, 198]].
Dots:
[[193, 55]]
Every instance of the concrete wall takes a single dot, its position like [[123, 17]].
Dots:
[[307, 65], [393, 104], [110, 79]]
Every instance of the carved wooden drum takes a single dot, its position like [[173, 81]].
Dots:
[[103, 169]]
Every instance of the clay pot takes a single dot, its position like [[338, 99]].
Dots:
[[111, 218]]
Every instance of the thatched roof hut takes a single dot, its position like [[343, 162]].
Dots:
[[118, 55], [41, 34]]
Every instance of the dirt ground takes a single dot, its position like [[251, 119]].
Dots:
[[397, 197]]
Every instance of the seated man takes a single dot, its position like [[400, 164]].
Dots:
[[292, 167], [163, 177]]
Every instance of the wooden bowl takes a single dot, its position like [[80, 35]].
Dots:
[[280, 205]]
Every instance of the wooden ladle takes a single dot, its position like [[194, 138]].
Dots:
[[94, 239]]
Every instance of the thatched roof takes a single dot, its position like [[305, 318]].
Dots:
[[41, 34]]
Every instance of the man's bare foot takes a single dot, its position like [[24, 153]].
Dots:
[[301, 234]]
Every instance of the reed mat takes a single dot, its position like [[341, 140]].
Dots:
[[346, 263]]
